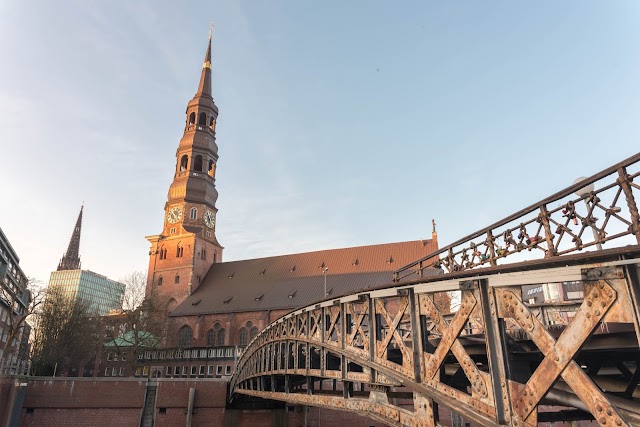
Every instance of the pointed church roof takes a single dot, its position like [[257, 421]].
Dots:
[[71, 259], [204, 87]]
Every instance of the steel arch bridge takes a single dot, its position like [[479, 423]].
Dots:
[[459, 330]]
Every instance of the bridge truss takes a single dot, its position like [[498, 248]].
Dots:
[[472, 340]]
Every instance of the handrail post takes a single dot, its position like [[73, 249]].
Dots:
[[548, 234], [623, 180]]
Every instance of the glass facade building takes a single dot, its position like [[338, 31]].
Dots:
[[102, 294]]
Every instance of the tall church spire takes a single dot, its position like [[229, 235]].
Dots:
[[204, 88], [71, 259]]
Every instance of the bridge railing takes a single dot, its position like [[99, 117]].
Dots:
[[563, 223]]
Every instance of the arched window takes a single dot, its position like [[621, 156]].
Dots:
[[192, 118], [197, 166], [211, 338], [212, 123], [212, 168], [219, 330], [179, 252], [163, 253], [160, 281], [202, 120], [184, 162], [185, 336], [171, 305], [253, 332], [177, 279], [243, 336], [193, 214]]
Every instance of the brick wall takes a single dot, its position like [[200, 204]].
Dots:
[[107, 402]]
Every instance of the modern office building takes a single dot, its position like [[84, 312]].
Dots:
[[100, 293], [14, 302]]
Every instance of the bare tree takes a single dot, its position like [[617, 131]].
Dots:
[[22, 306], [141, 323], [64, 335]]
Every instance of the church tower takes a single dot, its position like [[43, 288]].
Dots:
[[182, 254], [71, 259]]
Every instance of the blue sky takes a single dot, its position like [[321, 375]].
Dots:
[[341, 123]]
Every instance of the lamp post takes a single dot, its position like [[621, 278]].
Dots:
[[583, 192], [324, 271]]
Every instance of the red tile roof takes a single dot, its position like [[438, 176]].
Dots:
[[296, 280]]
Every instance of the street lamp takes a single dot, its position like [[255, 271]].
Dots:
[[584, 192], [324, 271]]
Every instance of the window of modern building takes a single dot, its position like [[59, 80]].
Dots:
[[168, 371], [219, 370], [194, 369], [201, 372], [176, 371], [121, 372], [185, 371], [210, 370], [227, 370]]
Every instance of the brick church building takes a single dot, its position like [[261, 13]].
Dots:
[[217, 307]]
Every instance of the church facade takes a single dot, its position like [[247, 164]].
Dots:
[[217, 307]]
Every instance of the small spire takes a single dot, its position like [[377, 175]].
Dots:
[[434, 233], [71, 259], [204, 88]]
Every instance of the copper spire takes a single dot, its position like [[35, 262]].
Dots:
[[204, 88], [71, 259]]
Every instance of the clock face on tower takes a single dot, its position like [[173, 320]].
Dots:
[[209, 219], [174, 215]]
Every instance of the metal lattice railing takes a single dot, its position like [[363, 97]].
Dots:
[[586, 215]]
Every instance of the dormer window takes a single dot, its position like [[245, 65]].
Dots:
[[389, 260], [263, 272], [231, 276]]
